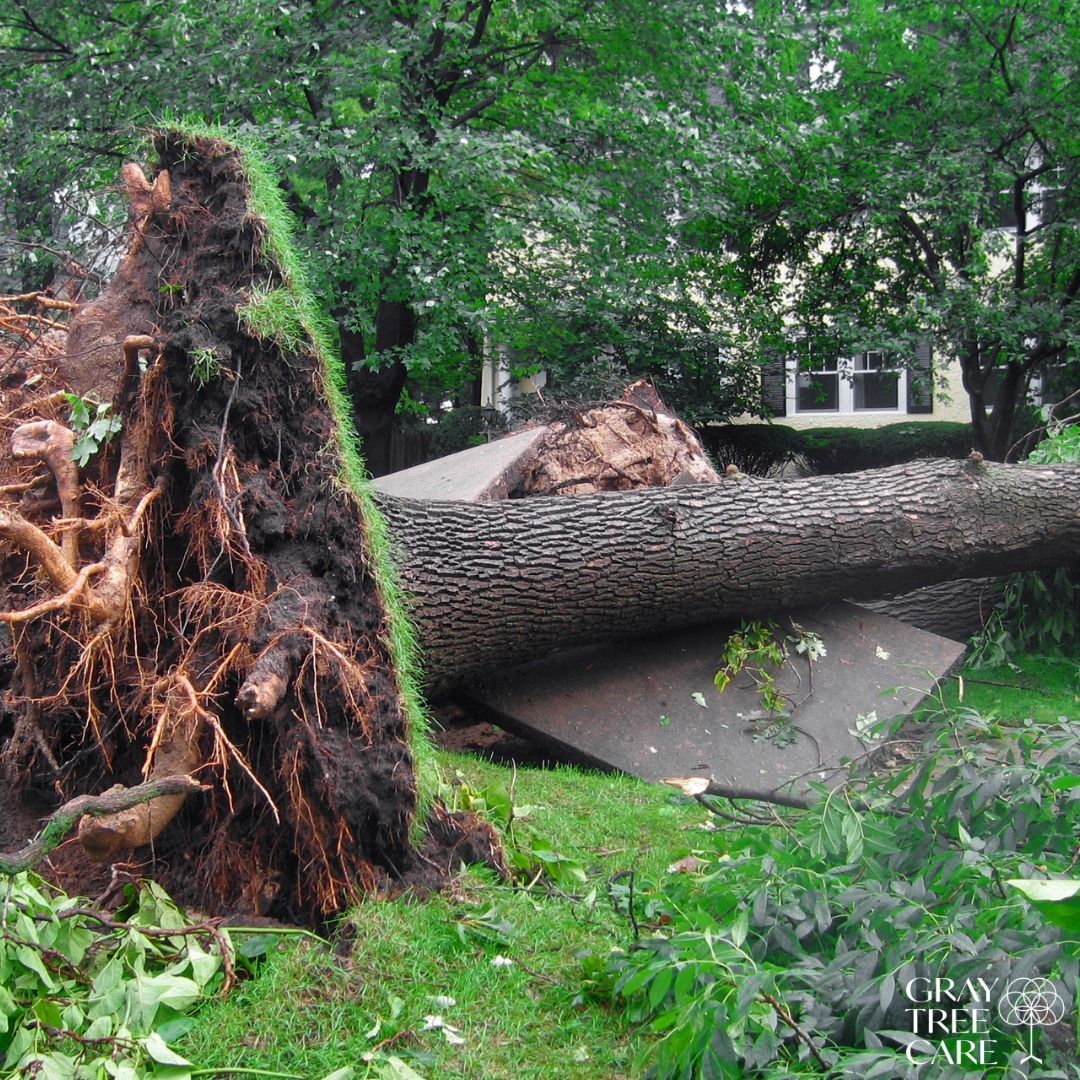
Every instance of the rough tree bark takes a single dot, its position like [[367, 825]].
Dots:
[[212, 600], [493, 583]]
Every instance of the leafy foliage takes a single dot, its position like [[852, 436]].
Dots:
[[1063, 446], [462, 170], [529, 852], [94, 425], [662, 190], [788, 951], [758, 650], [84, 995], [910, 169]]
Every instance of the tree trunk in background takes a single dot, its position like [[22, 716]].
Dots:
[[497, 583], [375, 392]]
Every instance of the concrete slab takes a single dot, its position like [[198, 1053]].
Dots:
[[480, 474], [633, 706]]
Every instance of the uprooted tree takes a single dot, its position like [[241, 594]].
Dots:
[[215, 596]]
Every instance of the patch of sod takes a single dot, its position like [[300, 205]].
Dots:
[[399, 962]]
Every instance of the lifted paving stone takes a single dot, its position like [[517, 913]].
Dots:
[[480, 474], [635, 706]]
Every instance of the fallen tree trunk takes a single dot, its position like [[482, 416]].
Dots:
[[495, 583]]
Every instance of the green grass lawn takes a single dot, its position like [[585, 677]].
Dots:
[[499, 964], [1037, 688], [311, 1010]]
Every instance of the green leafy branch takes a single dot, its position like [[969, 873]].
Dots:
[[759, 650], [94, 425], [783, 953], [86, 994]]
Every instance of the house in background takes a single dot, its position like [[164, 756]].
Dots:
[[498, 386], [859, 391]]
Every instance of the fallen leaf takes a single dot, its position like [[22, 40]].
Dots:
[[689, 785]]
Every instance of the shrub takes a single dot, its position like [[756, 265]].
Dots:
[[759, 449], [465, 426], [839, 450], [756, 449]]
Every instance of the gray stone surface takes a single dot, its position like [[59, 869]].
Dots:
[[631, 705], [480, 474]]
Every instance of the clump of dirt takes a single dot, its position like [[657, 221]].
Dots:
[[634, 442], [218, 612]]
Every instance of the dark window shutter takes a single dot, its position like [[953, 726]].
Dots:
[[774, 388], [920, 385]]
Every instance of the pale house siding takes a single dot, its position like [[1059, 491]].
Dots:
[[498, 386]]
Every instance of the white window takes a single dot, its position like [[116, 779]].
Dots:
[[862, 384]]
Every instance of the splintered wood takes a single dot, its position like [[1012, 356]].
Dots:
[[634, 442]]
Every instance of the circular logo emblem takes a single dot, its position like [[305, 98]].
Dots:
[[1030, 1002]]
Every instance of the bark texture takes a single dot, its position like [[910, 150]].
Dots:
[[955, 609], [497, 583]]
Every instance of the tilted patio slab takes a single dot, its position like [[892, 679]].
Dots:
[[634, 706], [482, 473]]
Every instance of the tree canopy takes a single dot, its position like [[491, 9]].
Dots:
[[659, 188], [915, 174], [463, 171]]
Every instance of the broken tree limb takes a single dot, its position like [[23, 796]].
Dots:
[[497, 583], [63, 820], [698, 786]]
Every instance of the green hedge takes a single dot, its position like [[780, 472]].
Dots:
[[758, 448]]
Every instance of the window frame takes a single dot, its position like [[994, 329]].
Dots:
[[846, 373]]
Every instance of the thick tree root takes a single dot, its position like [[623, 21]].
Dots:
[[62, 821]]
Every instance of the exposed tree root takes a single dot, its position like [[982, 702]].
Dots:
[[63, 820], [52, 443], [200, 601], [626, 444]]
